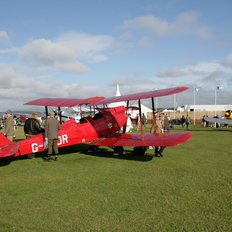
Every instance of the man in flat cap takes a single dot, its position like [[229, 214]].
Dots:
[[52, 126]]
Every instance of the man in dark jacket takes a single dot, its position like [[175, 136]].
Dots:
[[32, 127], [52, 126]]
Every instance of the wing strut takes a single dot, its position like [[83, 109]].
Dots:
[[153, 105], [46, 111], [140, 121], [59, 114], [124, 127]]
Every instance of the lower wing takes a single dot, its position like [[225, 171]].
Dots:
[[167, 139]]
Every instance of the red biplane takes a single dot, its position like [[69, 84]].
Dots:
[[103, 129]]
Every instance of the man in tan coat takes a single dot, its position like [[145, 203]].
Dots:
[[52, 126], [9, 126], [157, 128]]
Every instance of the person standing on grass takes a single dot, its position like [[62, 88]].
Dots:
[[183, 121], [187, 121], [166, 122], [32, 127], [144, 120], [9, 126], [52, 126], [157, 128]]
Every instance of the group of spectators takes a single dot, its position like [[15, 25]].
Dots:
[[185, 121], [32, 126]]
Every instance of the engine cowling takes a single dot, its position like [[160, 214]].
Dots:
[[228, 114]]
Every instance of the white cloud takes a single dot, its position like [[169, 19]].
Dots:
[[228, 61], [172, 72], [68, 52], [10, 79], [86, 47], [16, 89], [205, 74], [203, 68], [4, 36], [184, 24]]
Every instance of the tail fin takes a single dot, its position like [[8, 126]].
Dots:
[[7, 147]]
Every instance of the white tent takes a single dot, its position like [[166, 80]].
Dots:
[[134, 110], [115, 104]]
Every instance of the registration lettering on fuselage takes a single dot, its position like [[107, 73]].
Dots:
[[62, 139]]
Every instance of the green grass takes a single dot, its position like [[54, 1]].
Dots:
[[189, 189]]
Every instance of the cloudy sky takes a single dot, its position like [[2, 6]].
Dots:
[[82, 48]]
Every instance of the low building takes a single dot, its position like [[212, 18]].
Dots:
[[204, 108]]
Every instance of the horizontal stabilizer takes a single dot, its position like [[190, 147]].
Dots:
[[7, 148], [167, 139]]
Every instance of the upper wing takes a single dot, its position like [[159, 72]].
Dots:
[[167, 139], [143, 95], [70, 102], [65, 102], [219, 120]]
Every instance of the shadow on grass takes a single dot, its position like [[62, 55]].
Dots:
[[129, 155], [8, 160], [103, 152], [5, 161]]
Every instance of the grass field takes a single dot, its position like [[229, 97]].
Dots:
[[189, 189]]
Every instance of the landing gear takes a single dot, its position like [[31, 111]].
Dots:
[[139, 150]]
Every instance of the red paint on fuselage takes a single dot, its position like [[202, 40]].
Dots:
[[103, 124]]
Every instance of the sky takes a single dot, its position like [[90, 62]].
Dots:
[[83, 48]]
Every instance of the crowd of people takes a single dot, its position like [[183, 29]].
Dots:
[[33, 125]]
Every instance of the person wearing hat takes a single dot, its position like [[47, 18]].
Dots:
[[52, 126], [157, 128], [32, 127], [9, 126]]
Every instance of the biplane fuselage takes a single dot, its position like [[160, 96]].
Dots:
[[89, 129]]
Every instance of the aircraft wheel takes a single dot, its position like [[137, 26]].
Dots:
[[118, 150], [139, 150]]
